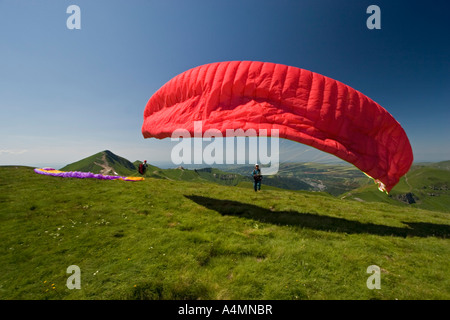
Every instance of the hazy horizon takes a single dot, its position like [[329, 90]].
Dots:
[[170, 165]]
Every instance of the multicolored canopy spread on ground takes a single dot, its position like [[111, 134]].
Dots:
[[304, 106], [82, 175]]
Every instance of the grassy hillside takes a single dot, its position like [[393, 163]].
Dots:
[[428, 186], [444, 165], [167, 239], [104, 162]]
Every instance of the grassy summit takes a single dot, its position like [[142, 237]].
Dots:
[[104, 162]]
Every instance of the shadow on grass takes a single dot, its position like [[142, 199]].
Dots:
[[319, 222]]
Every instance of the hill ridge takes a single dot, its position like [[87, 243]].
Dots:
[[103, 162]]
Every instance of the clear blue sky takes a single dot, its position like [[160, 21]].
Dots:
[[66, 94]]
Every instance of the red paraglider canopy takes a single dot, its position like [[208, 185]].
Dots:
[[304, 106]]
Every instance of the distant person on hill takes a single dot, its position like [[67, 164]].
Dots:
[[143, 167], [257, 177]]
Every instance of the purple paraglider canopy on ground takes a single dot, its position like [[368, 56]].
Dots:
[[83, 175]]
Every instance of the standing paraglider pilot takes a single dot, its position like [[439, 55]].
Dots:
[[143, 167], [257, 177]]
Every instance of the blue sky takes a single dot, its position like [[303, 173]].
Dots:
[[66, 94]]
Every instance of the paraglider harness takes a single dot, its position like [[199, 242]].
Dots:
[[143, 168], [257, 175]]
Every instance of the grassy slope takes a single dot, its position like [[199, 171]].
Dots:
[[430, 186], [163, 239], [444, 165], [91, 164]]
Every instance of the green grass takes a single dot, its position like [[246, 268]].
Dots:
[[166, 239], [429, 184]]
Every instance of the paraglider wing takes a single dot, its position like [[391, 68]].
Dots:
[[304, 106], [82, 175]]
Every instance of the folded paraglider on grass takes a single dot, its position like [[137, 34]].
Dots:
[[83, 175]]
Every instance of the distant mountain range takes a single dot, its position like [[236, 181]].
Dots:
[[424, 186]]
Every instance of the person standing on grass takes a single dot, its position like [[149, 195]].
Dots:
[[257, 177]]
